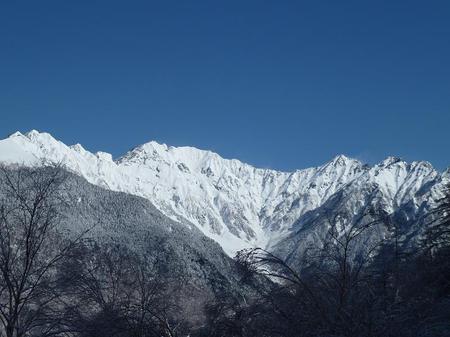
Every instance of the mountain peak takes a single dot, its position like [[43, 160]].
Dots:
[[15, 134], [423, 164], [390, 161], [342, 160], [32, 133], [143, 152], [154, 145], [35, 135]]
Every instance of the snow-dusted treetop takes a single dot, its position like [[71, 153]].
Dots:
[[234, 203]]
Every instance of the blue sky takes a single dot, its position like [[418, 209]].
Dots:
[[280, 84]]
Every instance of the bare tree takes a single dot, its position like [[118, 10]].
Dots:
[[31, 248], [331, 293], [119, 293]]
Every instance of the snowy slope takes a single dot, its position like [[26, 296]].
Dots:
[[391, 192], [232, 202]]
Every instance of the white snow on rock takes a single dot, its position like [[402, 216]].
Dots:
[[232, 202]]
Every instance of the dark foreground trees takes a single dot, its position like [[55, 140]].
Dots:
[[31, 249], [383, 290], [114, 292]]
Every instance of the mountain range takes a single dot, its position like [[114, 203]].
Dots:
[[240, 206]]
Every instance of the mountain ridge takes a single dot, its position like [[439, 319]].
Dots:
[[232, 202]]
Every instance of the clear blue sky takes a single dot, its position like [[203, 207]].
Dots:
[[281, 84]]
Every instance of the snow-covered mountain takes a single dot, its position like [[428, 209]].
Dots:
[[231, 202]]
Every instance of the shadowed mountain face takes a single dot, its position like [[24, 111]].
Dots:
[[134, 222], [240, 206]]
